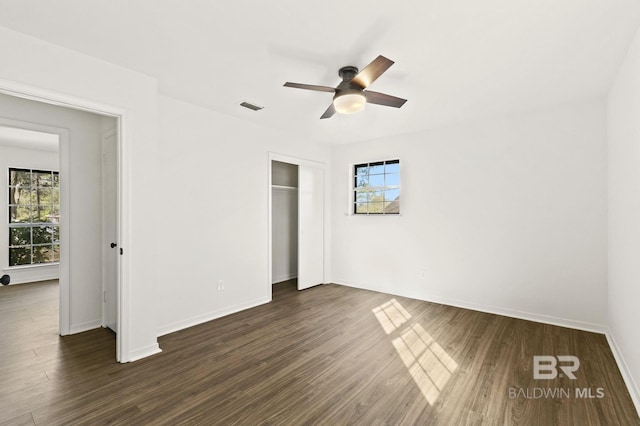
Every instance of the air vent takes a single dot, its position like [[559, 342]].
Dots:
[[251, 106]]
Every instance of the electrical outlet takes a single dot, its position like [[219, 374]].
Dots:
[[423, 274], [220, 285]]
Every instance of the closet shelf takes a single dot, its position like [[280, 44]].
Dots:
[[287, 188]]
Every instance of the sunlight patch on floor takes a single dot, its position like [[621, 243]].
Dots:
[[391, 315], [428, 363]]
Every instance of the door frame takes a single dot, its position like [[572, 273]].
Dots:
[[273, 156], [37, 94]]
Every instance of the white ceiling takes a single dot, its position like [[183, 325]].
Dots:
[[455, 59], [28, 139]]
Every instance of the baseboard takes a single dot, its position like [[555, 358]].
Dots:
[[199, 319], [33, 279], [512, 313], [85, 326], [529, 316], [144, 352], [632, 386], [282, 278]]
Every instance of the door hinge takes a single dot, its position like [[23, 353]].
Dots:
[[121, 251]]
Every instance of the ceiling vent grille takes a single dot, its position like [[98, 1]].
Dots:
[[251, 106]]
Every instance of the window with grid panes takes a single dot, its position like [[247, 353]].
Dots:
[[377, 187], [34, 213]]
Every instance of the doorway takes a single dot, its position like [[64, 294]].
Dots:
[[83, 136], [296, 221]]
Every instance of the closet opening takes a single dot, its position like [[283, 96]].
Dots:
[[284, 226]]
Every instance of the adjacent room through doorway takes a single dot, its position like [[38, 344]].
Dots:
[[63, 216]]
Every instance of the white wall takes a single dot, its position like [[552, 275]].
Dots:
[[215, 174], [45, 70], [85, 277], [623, 137], [505, 215], [12, 156]]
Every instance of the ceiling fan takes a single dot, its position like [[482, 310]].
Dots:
[[350, 95]]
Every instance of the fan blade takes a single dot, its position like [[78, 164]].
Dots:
[[329, 112], [310, 87], [372, 71], [382, 99]]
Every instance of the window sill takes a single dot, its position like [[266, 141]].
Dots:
[[374, 215], [27, 267]]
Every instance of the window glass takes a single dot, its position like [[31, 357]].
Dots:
[[376, 169], [392, 179]]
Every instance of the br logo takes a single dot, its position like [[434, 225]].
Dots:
[[546, 366]]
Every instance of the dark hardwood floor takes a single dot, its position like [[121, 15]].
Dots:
[[329, 355]]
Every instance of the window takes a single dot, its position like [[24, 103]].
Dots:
[[377, 188], [34, 213]]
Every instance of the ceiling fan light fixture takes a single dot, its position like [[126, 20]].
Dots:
[[349, 103]]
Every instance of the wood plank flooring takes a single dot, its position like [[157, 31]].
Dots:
[[330, 355]]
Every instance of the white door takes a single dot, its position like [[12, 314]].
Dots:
[[310, 226], [110, 247]]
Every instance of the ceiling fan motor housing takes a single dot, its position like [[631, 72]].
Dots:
[[347, 73], [347, 86]]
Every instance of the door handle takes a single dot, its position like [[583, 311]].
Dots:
[[113, 245]]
